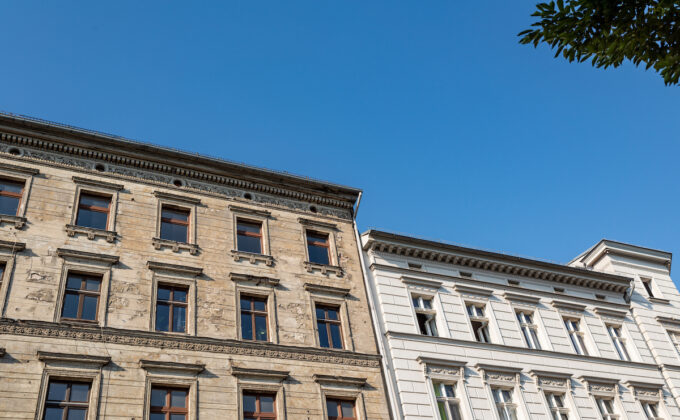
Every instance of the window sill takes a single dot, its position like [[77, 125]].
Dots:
[[159, 243], [92, 233], [18, 221], [323, 268], [659, 300], [253, 258], [76, 321]]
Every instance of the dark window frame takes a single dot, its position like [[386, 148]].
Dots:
[[253, 312], [66, 404], [177, 222], [82, 292], [168, 409], [258, 415], [171, 303], [339, 402], [19, 195], [326, 244], [327, 324], [97, 209]]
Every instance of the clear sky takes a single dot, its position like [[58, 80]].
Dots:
[[453, 130]]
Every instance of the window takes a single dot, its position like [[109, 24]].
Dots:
[[171, 308], [93, 211], [675, 339], [259, 406], [647, 282], [526, 323], [448, 404], [425, 315], [10, 196], [507, 410], [576, 336], [175, 224], [168, 403], [619, 341], [340, 409], [253, 318], [329, 326], [249, 236], [479, 323], [318, 247], [606, 408], [558, 410], [67, 400], [81, 297], [2, 274], [651, 410]]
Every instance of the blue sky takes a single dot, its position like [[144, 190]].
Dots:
[[453, 130]]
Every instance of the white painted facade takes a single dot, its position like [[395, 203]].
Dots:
[[420, 291]]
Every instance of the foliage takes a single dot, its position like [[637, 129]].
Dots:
[[611, 31]]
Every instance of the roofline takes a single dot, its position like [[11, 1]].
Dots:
[[135, 146], [663, 257], [619, 282]]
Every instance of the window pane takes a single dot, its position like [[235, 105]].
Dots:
[[335, 335], [74, 282], [178, 215], [179, 319], [92, 219], [347, 409], [11, 187], [249, 244], [90, 308], [323, 334], [173, 232], [163, 293], [94, 200], [416, 304], [332, 408], [158, 397], [92, 284], [177, 417], [260, 305], [162, 317], [9, 205], [53, 413], [442, 411], [437, 390], [249, 227], [56, 391], [261, 328], [76, 414], [320, 313], [427, 303], [449, 391], [178, 398], [318, 254], [332, 314], [157, 416], [249, 403], [79, 392], [245, 302], [180, 295], [70, 309], [267, 404], [246, 326]]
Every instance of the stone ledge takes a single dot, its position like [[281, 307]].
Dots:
[[248, 210], [12, 246], [83, 255], [315, 223], [18, 221], [260, 374], [176, 197], [97, 184], [192, 368], [92, 233], [331, 290], [20, 169], [340, 380], [174, 268], [253, 258], [323, 268], [159, 244], [258, 280], [46, 356]]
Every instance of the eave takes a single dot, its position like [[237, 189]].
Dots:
[[608, 247]]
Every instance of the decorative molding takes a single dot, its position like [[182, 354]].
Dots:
[[9, 246], [315, 223], [191, 368], [611, 313], [252, 258], [472, 291], [662, 301], [18, 221], [392, 243], [91, 233], [89, 333], [420, 282], [20, 169], [442, 368], [499, 375], [174, 268], [521, 298], [248, 210], [608, 247], [551, 381], [260, 374], [324, 268], [562, 305], [175, 246], [85, 359], [258, 280], [645, 391], [83, 255], [319, 288], [176, 197], [331, 380], [669, 321], [97, 184], [601, 387]]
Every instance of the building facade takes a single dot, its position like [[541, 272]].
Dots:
[[470, 334], [140, 282]]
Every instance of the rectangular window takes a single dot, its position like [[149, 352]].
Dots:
[[93, 211], [479, 323], [175, 224], [619, 341], [67, 400], [606, 408], [448, 403], [10, 196], [651, 410], [329, 326], [675, 339], [2, 274], [318, 247], [526, 323], [253, 318], [647, 282], [558, 409], [171, 308], [81, 297], [258, 406], [249, 236], [340, 409], [576, 336], [168, 403], [507, 410], [425, 315]]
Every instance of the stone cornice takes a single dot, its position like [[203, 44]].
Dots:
[[316, 223], [421, 282], [330, 290], [562, 305], [44, 136], [174, 268], [599, 380], [19, 169], [522, 298], [83, 255], [472, 291], [610, 313], [97, 184], [258, 280], [86, 333], [608, 247], [157, 365], [248, 210], [176, 197], [260, 374], [549, 374], [46, 356], [669, 321], [443, 253], [440, 362], [340, 380], [9, 246]]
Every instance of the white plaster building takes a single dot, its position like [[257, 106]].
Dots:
[[470, 334]]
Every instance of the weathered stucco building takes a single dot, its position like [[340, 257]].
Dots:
[[145, 283], [470, 334]]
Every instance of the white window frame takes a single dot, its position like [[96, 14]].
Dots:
[[504, 378], [431, 327], [674, 336], [480, 314], [556, 412], [603, 409], [579, 344], [505, 409], [449, 372], [529, 328], [616, 334], [446, 399]]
